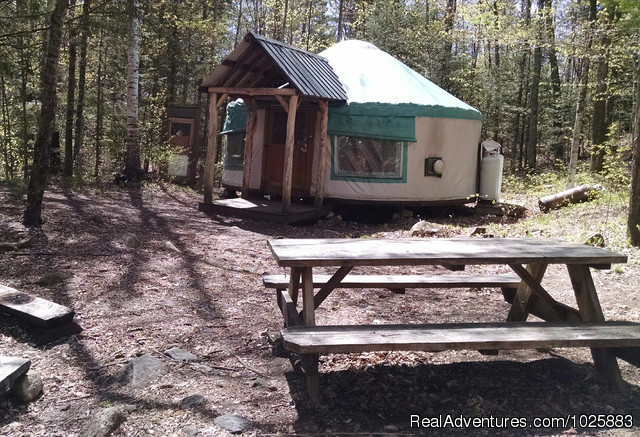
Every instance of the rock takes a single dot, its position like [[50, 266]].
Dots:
[[190, 431], [232, 423], [52, 279], [131, 241], [141, 371], [28, 387], [103, 423], [180, 354], [168, 245], [192, 401], [424, 229]]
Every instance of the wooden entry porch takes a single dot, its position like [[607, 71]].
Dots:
[[263, 209]]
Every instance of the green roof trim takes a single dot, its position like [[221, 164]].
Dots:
[[372, 126], [408, 110]]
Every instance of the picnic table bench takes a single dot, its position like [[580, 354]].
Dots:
[[528, 258]]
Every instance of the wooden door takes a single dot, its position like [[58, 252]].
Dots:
[[273, 161]]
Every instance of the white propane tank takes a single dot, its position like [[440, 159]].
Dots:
[[491, 171]]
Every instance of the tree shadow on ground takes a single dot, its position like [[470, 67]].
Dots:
[[396, 399]]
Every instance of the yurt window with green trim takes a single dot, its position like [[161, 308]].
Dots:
[[363, 157]]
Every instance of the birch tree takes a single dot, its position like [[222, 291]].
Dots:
[[132, 171]]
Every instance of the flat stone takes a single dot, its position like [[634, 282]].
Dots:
[[28, 387], [192, 401], [180, 354], [232, 423], [103, 423], [141, 371], [35, 310], [11, 368]]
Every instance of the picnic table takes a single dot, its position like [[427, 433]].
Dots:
[[563, 326]]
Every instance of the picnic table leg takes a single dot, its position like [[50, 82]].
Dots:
[[294, 284], [309, 361], [591, 311], [525, 297]]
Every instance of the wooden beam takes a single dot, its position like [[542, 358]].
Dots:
[[250, 102], [212, 148], [321, 159], [525, 298], [287, 177], [254, 91], [591, 311], [221, 100], [283, 102], [308, 307]]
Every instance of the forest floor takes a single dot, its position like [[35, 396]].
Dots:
[[208, 299]]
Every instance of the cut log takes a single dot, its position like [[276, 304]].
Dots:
[[35, 310], [579, 194]]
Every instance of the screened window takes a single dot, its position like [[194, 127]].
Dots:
[[234, 151], [368, 157]]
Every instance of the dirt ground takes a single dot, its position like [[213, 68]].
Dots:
[[209, 299]]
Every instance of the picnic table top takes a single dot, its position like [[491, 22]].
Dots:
[[437, 251]]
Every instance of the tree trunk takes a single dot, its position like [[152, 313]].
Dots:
[[6, 137], [132, 171], [633, 221], [71, 95], [46, 124], [238, 23], [582, 97], [449, 17], [82, 79], [340, 21], [534, 91], [99, 112], [557, 141]]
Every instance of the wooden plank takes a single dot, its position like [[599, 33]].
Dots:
[[479, 336], [248, 146], [287, 176], [11, 368], [35, 310], [590, 311], [247, 91], [322, 153], [294, 284], [212, 148], [330, 285], [308, 308], [533, 288], [405, 281], [437, 251], [288, 309]]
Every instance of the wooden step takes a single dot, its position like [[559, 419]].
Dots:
[[35, 310], [281, 282], [478, 336]]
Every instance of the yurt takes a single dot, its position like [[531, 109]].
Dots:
[[366, 129]]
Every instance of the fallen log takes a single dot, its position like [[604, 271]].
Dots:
[[579, 194]]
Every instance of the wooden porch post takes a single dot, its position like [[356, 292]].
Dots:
[[288, 153], [324, 119], [248, 145], [212, 148]]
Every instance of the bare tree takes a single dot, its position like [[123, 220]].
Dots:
[[46, 124]]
